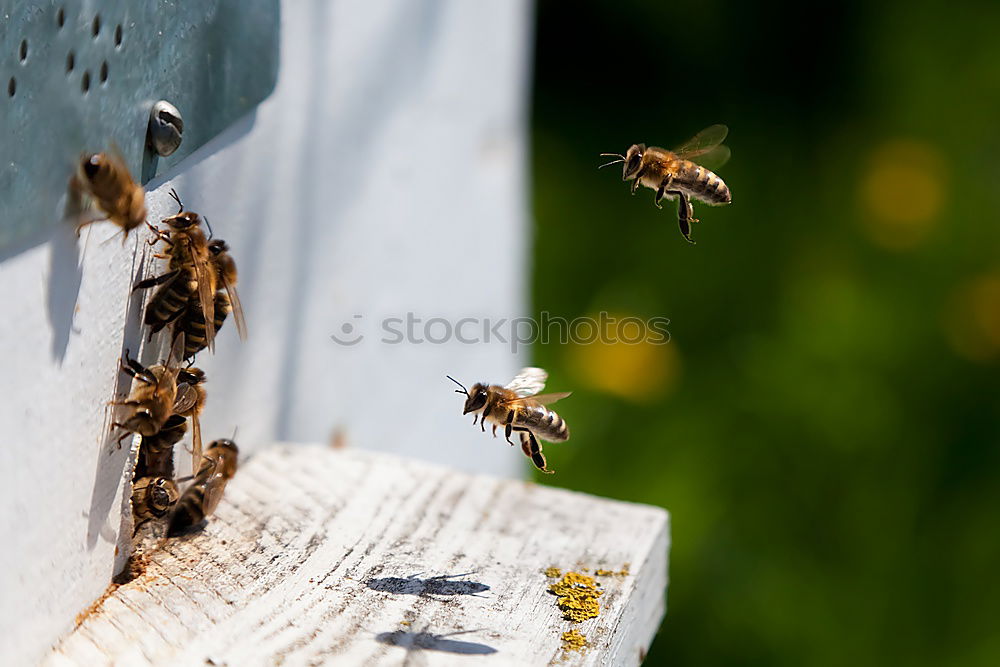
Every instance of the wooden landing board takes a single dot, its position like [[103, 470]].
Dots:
[[350, 558]]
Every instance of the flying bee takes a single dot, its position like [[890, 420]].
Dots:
[[189, 273], [189, 402], [227, 300], [153, 497], [106, 178], [152, 399], [680, 174], [518, 407], [156, 453], [201, 498]]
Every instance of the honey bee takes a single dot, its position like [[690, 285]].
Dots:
[[152, 399], [518, 407], [189, 402], [227, 300], [201, 498], [153, 497], [156, 453], [106, 178], [681, 174], [189, 273]]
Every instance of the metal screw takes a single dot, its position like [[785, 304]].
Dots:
[[165, 128]]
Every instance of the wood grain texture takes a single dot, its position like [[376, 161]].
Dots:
[[348, 558]]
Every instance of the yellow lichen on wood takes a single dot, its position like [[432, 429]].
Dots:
[[573, 640], [578, 595], [552, 572]]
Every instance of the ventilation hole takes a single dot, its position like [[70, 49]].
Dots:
[[70, 62], [104, 72], [85, 82], [95, 29], [61, 17], [22, 52], [118, 35], [12, 86]]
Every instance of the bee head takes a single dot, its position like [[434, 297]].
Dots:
[[225, 443], [183, 220], [633, 160], [475, 398], [92, 164], [191, 376], [162, 495], [218, 246]]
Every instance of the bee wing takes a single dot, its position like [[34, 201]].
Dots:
[[529, 381], [542, 399], [713, 158], [705, 142], [205, 275], [214, 488], [237, 306], [195, 442], [174, 358]]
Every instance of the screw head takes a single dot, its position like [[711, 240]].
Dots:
[[166, 128]]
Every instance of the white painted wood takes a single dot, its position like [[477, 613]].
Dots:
[[324, 556], [395, 136]]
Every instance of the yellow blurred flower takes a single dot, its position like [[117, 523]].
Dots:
[[903, 190], [972, 320], [638, 371]]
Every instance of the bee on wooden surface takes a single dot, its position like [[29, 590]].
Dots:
[[156, 453], [681, 174], [153, 396], [105, 178], [153, 497], [201, 498], [518, 407], [189, 402], [227, 300], [189, 273]]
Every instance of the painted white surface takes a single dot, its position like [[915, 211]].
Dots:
[[385, 175], [324, 557]]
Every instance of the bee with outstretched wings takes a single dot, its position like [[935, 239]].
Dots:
[[518, 407], [683, 173]]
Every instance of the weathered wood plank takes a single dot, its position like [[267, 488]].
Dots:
[[346, 557]]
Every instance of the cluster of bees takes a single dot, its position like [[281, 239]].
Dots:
[[682, 174], [192, 299]]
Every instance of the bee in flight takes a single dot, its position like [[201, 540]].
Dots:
[[518, 407], [106, 179], [681, 174], [201, 498]]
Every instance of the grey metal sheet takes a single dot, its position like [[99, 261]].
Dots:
[[81, 76]]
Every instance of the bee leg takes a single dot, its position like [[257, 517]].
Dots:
[[662, 191], [494, 430], [683, 214], [158, 280], [475, 419], [510, 427], [159, 235], [533, 451], [638, 180]]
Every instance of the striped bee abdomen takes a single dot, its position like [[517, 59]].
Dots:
[[168, 301], [192, 324], [703, 184], [545, 423], [190, 509]]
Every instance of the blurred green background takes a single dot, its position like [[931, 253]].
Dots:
[[823, 425]]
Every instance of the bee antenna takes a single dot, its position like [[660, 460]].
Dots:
[[235, 429], [210, 232], [463, 391], [621, 158], [180, 206]]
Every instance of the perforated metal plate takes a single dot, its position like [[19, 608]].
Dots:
[[81, 76]]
